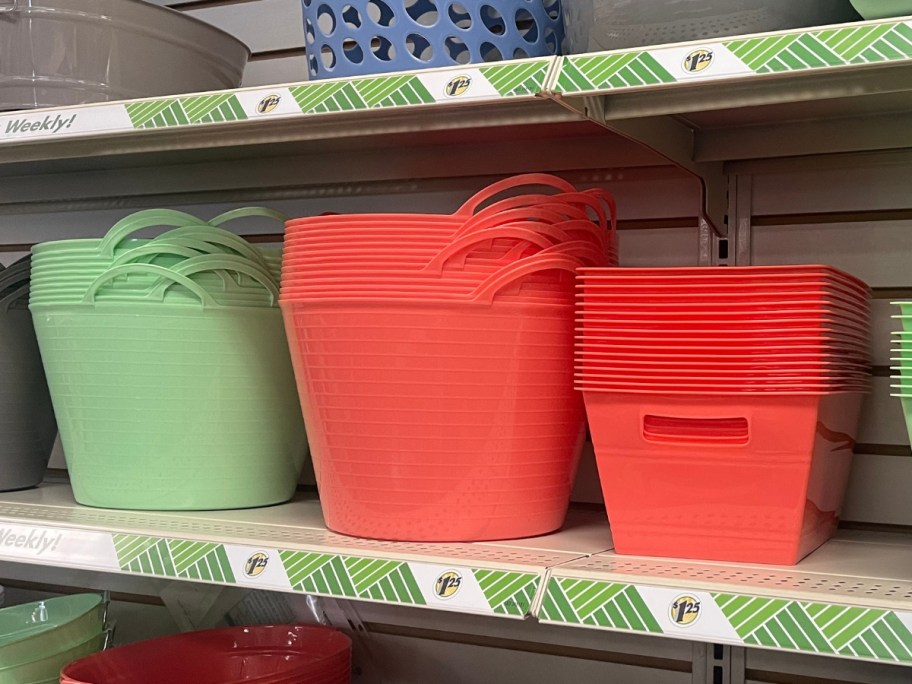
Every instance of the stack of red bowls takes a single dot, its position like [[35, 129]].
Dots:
[[266, 654], [723, 404], [434, 359]]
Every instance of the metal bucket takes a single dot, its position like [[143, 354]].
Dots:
[[65, 52]]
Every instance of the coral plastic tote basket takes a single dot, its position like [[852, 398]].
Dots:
[[359, 37]]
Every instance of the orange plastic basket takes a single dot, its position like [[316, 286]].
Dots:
[[439, 421], [746, 478]]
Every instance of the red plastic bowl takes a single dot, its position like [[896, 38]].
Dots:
[[269, 654]]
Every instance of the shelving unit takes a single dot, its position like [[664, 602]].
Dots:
[[710, 111], [852, 598]]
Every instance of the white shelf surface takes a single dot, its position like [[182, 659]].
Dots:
[[296, 552], [852, 598]]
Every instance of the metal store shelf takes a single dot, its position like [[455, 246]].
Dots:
[[851, 598], [835, 89], [287, 548], [843, 88]]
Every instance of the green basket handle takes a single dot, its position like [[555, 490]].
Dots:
[[543, 261], [184, 247], [517, 231], [149, 218], [172, 247], [246, 212], [158, 291], [218, 236], [546, 179], [229, 262], [13, 297]]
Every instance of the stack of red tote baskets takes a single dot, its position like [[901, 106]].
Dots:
[[434, 360], [723, 405]]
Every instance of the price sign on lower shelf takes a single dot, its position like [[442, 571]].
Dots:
[[445, 587]]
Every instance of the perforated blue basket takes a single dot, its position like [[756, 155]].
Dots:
[[359, 37]]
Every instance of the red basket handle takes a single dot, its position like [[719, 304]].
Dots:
[[546, 179], [543, 261], [690, 431], [517, 231], [489, 215], [537, 212]]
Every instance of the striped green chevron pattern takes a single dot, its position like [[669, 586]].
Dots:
[[345, 96], [624, 70], [597, 604], [213, 108], [818, 628], [173, 558], [508, 593], [184, 111], [864, 44], [320, 98], [157, 114], [511, 80], [391, 91], [349, 577]]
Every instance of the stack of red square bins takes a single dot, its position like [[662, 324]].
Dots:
[[723, 405]]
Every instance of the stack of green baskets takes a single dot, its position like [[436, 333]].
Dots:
[[168, 365], [38, 639]]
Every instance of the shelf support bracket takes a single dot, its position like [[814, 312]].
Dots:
[[200, 606], [718, 664], [675, 141]]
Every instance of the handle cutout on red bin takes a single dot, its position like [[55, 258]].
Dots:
[[677, 430]]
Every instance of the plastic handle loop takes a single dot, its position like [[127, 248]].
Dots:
[[490, 212], [149, 218], [527, 213], [158, 249], [184, 247], [229, 262], [247, 212], [561, 233], [582, 250], [436, 264], [165, 274], [488, 290], [690, 431], [218, 236], [541, 179], [13, 297]]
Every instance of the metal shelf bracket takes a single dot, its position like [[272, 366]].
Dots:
[[673, 140]]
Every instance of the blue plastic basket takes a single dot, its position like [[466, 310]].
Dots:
[[359, 37]]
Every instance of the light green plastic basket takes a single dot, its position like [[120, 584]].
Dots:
[[32, 631], [63, 270], [165, 405]]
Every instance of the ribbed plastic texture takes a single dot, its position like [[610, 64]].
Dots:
[[723, 405], [433, 356], [168, 366]]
